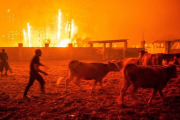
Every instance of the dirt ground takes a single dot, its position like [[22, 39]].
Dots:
[[79, 104]]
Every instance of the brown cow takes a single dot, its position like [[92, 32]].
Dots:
[[147, 77], [142, 53], [152, 59], [121, 64], [156, 59], [131, 60], [148, 59], [89, 71]]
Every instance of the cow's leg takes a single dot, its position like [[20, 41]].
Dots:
[[95, 82], [161, 94], [134, 90], [68, 81], [78, 83], [153, 94], [123, 90]]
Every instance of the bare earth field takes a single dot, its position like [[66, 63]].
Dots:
[[79, 104]]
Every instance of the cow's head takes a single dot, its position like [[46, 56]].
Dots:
[[119, 64], [113, 66], [172, 71], [142, 53]]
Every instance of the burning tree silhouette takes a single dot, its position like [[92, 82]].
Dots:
[[80, 42]]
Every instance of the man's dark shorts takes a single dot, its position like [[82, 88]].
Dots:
[[4, 65]]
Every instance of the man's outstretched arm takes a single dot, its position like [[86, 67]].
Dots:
[[36, 67]]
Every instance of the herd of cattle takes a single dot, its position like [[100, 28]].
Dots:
[[145, 71]]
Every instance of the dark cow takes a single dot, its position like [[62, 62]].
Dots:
[[148, 59], [89, 71], [147, 77], [171, 57]]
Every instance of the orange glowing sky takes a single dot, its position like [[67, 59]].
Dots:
[[103, 19]]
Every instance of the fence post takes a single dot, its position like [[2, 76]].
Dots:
[[167, 47], [110, 51], [70, 50], [104, 51], [91, 45], [125, 48], [91, 49], [143, 44]]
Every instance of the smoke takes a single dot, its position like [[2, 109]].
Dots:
[[157, 20], [104, 19]]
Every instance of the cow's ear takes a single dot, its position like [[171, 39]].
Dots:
[[111, 62]]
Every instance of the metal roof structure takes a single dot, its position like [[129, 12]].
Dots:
[[108, 41], [162, 41]]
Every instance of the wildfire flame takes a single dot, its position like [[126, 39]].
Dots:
[[24, 34], [72, 28], [29, 34], [63, 43], [59, 25], [55, 39]]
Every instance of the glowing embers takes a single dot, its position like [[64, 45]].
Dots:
[[57, 34]]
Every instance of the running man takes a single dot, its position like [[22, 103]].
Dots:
[[34, 73], [4, 62]]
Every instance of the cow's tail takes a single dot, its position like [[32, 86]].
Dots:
[[61, 79], [125, 75], [70, 71]]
